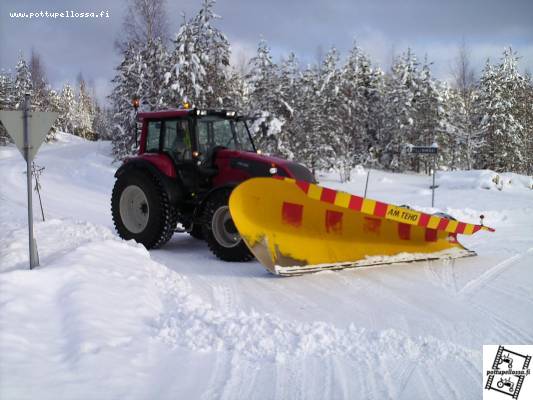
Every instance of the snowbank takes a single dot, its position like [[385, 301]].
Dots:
[[88, 319], [483, 179]]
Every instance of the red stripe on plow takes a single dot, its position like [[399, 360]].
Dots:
[[333, 221], [292, 214], [424, 220], [443, 223], [303, 185], [328, 195], [356, 203], [404, 231], [431, 235], [380, 209]]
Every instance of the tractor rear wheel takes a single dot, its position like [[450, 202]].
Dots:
[[220, 232], [141, 209]]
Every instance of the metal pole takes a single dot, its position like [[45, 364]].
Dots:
[[366, 184], [34, 262], [37, 188], [433, 186]]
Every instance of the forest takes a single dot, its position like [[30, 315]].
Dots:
[[339, 112]]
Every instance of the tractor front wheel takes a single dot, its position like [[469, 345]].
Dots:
[[141, 209], [220, 232]]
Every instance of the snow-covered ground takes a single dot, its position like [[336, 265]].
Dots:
[[102, 318]]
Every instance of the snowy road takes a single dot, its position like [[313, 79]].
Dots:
[[177, 323]]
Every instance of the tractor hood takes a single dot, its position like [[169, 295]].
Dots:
[[284, 167]]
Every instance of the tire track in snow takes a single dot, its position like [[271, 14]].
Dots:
[[341, 382], [439, 385], [241, 380], [290, 380], [491, 273], [404, 378], [327, 379], [505, 329], [219, 377], [224, 297]]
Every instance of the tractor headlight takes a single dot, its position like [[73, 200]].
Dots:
[[230, 113]]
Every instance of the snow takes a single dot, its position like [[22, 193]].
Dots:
[[484, 179], [104, 318]]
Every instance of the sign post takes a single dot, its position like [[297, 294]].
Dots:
[[34, 257], [427, 150], [28, 130]]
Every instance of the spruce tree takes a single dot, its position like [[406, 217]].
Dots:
[[155, 64], [7, 102], [23, 83], [67, 106], [504, 147], [128, 82], [200, 61], [264, 84], [84, 112], [399, 129]]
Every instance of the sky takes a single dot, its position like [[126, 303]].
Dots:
[[383, 28]]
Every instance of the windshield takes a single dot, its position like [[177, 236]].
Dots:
[[215, 131]]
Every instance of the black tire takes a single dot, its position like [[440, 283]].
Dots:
[[197, 232], [147, 215], [227, 250]]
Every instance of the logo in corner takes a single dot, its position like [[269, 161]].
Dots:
[[506, 372]]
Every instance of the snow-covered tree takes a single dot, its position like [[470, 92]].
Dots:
[[67, 107], [53, 103], [23, 82], [504, 147], [307, 143], [155, 64], [399, 129], [335, 142], [285, 105], [431, 123], [7, 102], [525, 116], [353, 102], [40, 99], [102, 122], [200, 61], [128, 83], [84, 111], [462, 112], [264, 96], [216, 50]]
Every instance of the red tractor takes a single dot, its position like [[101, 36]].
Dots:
[[188, 163]]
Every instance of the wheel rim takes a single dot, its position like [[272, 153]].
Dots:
[[134, 209], [224, 229]]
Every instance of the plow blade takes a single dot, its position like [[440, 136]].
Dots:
[[294, 227]]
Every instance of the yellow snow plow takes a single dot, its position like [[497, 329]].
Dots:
[[295, 227]]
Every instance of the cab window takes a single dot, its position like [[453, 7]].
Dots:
[[177, 139], [215, 131], [152, 139]]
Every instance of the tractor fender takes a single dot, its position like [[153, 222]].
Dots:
[[171, 186], [198, 209]]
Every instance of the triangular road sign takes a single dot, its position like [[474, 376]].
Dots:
[[39, 123]]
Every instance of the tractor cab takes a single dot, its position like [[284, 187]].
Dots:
[[188, 163], [185, 142]]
